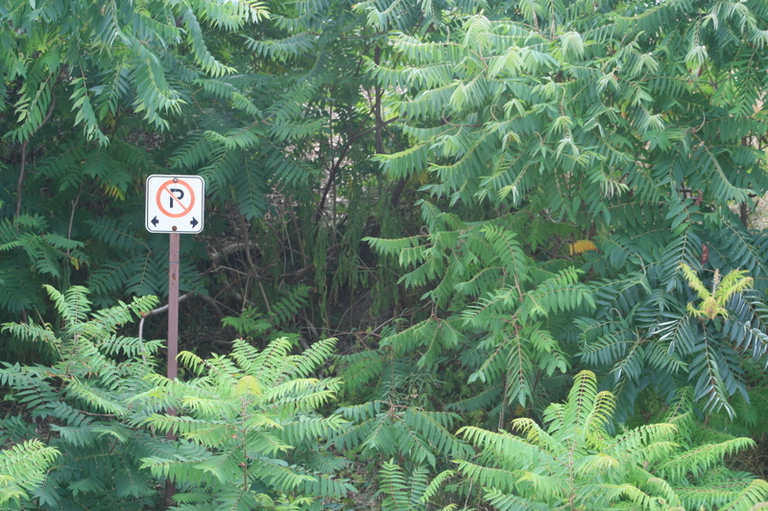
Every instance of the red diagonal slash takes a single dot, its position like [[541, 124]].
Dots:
[[185, 209]]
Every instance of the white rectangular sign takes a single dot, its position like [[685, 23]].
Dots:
[[175, 204]]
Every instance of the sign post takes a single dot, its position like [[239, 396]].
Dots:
[[174, 205], [173, 305]]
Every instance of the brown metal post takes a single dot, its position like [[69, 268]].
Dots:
[[173, 335], [173, 305]]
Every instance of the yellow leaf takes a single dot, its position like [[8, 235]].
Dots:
[[114, 192], [581, 246], [248, 384]]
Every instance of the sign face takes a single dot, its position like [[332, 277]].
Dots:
[[175, 204]]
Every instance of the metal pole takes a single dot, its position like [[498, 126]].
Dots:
[[173, 336], [173, 305]]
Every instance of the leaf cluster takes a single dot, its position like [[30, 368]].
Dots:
[[574, 461]]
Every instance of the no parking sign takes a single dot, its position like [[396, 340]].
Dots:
[[175, 204]]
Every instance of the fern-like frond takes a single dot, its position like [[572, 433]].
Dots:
[[22, 468]]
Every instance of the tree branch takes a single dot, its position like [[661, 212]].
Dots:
[[24, 147]]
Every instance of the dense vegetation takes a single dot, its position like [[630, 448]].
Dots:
[[458, 254]]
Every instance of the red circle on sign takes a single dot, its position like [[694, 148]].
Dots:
[[175, 197]]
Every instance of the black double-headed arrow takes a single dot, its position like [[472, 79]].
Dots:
[[192, 222]]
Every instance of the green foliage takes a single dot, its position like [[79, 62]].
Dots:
[[79, 404], [508, 137], [585, 122], [287, 143], [574, 462], [245, 428], [82, 83], [502, 310], [409, 492], [108, 55], [253, 323], [31, 255], [249, 433], [22, 468], [383, 430], [282, 135], [403, 492]]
